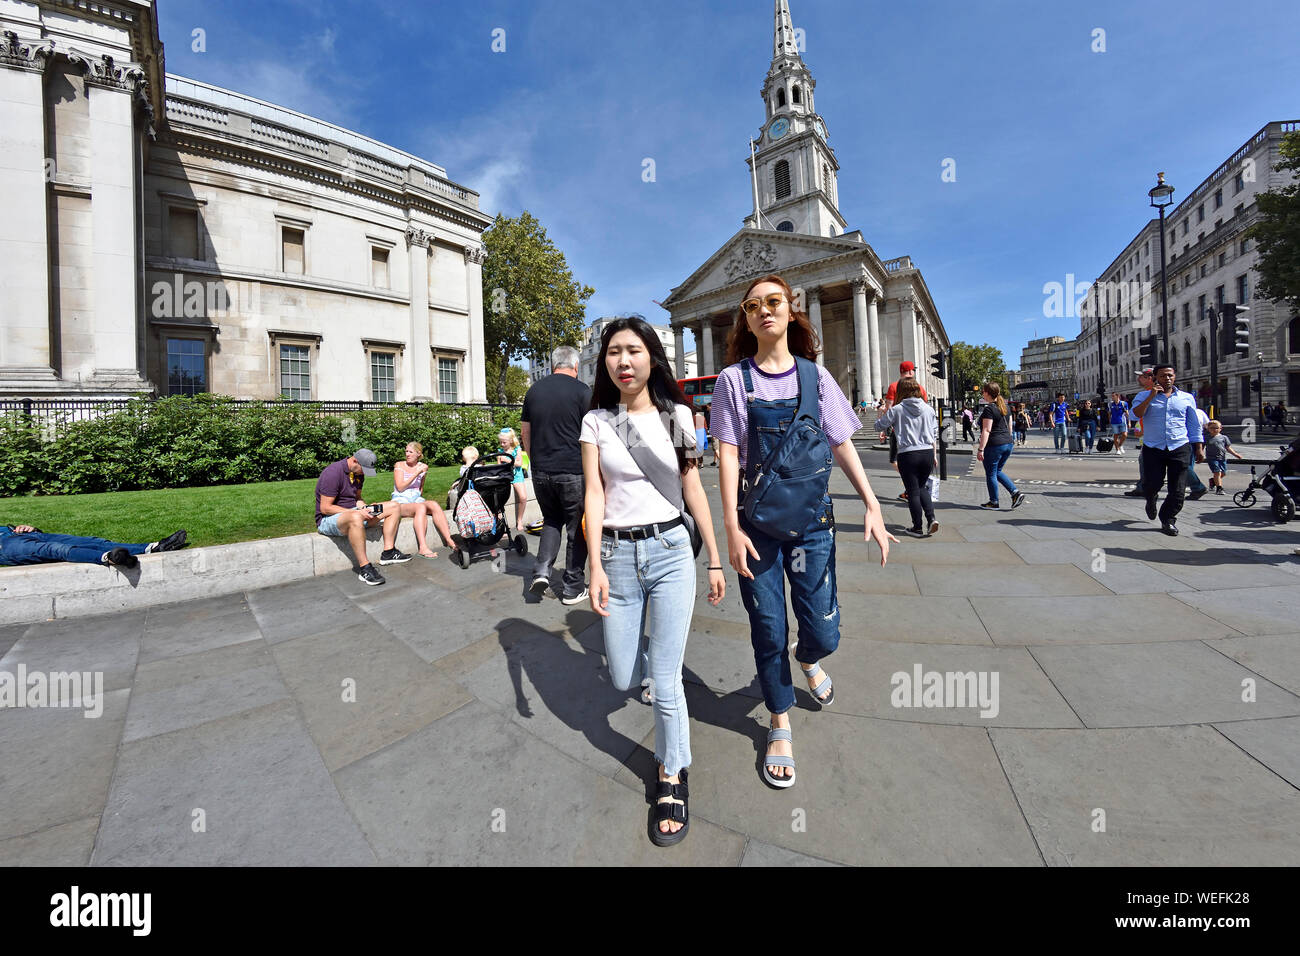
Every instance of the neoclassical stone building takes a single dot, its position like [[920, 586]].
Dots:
[[871, 313], [168, 236]]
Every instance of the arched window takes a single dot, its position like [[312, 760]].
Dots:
[[795, 97], [1187, 357], [782, 176], [826, 180], [780, 98], [785, 225], [1293, 335], [1201, 355]]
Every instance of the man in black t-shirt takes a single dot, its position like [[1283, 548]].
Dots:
[[552, 422]]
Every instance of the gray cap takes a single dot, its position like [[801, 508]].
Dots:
[[366, 459]]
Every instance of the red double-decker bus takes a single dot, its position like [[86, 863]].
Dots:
[[699, 390]]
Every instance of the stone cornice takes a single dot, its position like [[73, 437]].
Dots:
[[476, 255], [19, 54], [104, 71], [418, 237]]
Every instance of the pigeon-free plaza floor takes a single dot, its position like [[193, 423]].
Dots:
[[1145, 710]]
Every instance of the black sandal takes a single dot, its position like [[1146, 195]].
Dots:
[[672, 812]]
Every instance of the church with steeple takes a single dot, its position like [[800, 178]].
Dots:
[[871, 313]]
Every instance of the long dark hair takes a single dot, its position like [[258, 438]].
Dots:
[[800, 335], [664, 391]]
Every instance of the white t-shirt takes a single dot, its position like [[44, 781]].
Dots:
[[630, 499]]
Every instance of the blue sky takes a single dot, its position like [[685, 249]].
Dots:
[[1055, 145]]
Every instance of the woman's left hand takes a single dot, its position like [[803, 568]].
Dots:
[[979, 455], [874, 527], [717, 587]]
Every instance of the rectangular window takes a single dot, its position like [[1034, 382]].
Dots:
[[1218, 198], [447, 380], [183, 233], [1223, 258], [1238, 183], [1204, 270], [1200, 213], [1200, 308], [1245, 246], [1238, 209], [292, 245], [186, 367], [1184, 227], [378, 267], [1243, 290], [1218, 299], [383, 377], [1187, 315], [295, 372]]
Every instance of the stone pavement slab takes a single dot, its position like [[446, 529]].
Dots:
[[1094, 620], [110, 647], [1265, 610], [1044, 580], [173, 630], [303, 607], [758, 853], [1271, 742], [1172, 796], [68, 844], [1275, 658]]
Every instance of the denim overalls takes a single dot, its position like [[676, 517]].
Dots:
[[809, 562]]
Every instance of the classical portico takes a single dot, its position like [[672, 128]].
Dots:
[[870, 314]]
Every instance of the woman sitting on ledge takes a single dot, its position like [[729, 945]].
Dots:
[[23, 544]]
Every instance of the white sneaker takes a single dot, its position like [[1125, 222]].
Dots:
[[576, 598]]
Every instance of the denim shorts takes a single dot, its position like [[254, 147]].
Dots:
[[1218, 466], [329, 525]]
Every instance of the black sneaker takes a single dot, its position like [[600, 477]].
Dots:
[[990, 504], [915, 532], [1218, 490], [369, 575], [1017, 499], [393, 557], [1134, 493], [576, 598], [173, 542], [120, 558], [1198, 494], [539, 585], [1169, 528], [1151, 508]]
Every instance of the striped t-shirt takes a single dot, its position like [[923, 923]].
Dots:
[[729, 417]]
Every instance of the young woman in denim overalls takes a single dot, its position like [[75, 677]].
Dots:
[[767, 335]]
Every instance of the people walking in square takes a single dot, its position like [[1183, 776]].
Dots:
[[640, 457], [1146, 380], [1196, 488], [1217, 448], [967, 424], [917, 428], [996, 445], [1118, 411], [1060, 420], [551, 425], [1171, 436], [1021, 421], [906, 370], [1087, 425], [764, 400]]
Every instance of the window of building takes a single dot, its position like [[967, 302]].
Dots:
[[447, 371], [1218, 223], [1243, 289], [1293, 336], [292, 250], [1245, 391], [1238, 209], [785, 225], [1204, 269], [383, 377], [295, 372], [1218, 298], [1184, 227], [1200, 308], [1187, 315], [780, 98], [794, 98], [1200, 236], [1238, 183], [183, 233], [1218, 198], [1223, 258], [379, 267], [1201, 355], [1245, 246], [1200, 213], [187, 372], [1187, 357], [781, 175]]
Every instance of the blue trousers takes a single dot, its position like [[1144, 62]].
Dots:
[[41, 547], [1058, 436], [995, 459]]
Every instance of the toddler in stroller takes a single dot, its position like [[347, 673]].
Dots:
[[481, 495], [1281, 482]]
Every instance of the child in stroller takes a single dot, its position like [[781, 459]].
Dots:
[[481, 494], [1281, 481]]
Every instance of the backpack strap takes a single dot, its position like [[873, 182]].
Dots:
[[808, 409]]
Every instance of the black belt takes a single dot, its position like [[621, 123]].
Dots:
[[642, 532]]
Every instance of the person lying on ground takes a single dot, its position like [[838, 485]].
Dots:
[[23, 544]]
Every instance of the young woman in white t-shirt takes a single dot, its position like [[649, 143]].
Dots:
[[640, 550]]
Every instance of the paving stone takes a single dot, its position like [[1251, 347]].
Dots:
[[302, 608], [394, 691], [266, 796], [939, 620], [186, 691], [1125, 576], [1272, 610], [1275, 658], [1272, 742], [430, 621], [1207, 572], [96, 646], [1035, 581], [433, 798], [1040, 528], [965, 553], [1094, 620], [9, 636], [68, 844], [57, 764], [1173, 796], [173, 630], [993, 532], [1157, 684], [868, 579], [758, 853]]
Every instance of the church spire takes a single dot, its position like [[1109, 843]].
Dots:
[[783, 42]]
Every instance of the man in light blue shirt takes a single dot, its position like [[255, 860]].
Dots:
[[1171, 435]]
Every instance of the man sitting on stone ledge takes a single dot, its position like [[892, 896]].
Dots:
[[340, 512], [23, 544]]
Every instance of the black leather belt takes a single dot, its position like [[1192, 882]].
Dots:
[[642, 532]]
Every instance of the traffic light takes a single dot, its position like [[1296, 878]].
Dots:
[[1233, 316], [939, 365], [1147, 351], [1254, 385]]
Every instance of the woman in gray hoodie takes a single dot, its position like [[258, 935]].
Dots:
[[916, 426]]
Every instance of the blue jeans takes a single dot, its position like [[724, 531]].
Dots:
[[654, 577], [1088, 432], [1058, 436], [995, 459], [39, 547], [808, 561], [1194, 482]]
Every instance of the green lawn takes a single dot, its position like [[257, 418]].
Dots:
[[216, 515]]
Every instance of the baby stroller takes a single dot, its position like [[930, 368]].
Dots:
[[482, 494], [1281, 481]]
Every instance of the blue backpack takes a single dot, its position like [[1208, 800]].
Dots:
[[785, 489]]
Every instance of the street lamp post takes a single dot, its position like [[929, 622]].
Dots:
[[1214, 361], [1101, 367], [1161, 196]]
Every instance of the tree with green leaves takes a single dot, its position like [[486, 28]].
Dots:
[[531, 302], [973, 365], [516, 379], [1278, 231]]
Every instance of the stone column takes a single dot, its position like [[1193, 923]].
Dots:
[[873, 324], [907, 326], [862, 344], [420, 384], [814, 297], [24, 227], [679, 350], [475, 368], [110, 90], [705, 362]]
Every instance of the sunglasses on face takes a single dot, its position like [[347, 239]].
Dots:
[[773, 302]]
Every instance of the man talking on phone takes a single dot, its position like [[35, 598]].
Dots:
[[1171, 436], [340, 512]]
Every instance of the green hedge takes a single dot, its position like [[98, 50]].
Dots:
[[209, 440]]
